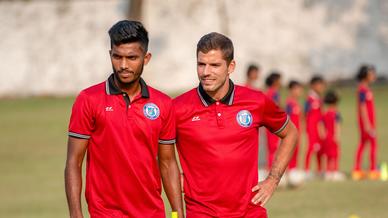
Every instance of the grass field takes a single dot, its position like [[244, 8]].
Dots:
[[33, 149]]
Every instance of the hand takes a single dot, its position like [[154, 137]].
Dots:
[[372, 133], [265, 190]]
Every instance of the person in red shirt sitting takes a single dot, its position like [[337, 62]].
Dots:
[[366, 122], [332, 119]]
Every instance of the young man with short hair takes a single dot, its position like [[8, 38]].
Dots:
[[294, 111], [217, 138], [273, 83], [127, 129], [314, 125]]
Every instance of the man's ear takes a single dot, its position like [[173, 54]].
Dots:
[[231, 67], [147, 58]]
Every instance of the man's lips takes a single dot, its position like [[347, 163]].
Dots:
[[125, 73], [207, 80]]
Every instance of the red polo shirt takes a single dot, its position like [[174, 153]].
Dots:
[[122, 174], [218, 149]]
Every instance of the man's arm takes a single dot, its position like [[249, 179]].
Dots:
[[171, 177], [266, 188], [76, 149]]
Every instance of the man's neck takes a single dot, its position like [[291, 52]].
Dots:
[[364, 83], [132, 89], [221, 92]]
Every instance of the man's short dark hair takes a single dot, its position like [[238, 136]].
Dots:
[[272, 78], [127, 31], [293, 83], [331, 97], [251, 68], [216, 41], [364, 70], [316, 79]]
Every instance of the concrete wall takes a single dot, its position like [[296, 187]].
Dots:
[[54, 47], [61, 47], [297, 37]]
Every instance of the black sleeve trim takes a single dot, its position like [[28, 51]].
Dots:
[[77, 135], [167, 142], [284, 125]]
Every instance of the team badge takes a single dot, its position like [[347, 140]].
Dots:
[[244, 118], [151, 111]]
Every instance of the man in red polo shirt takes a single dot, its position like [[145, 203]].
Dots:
[[128, 131], [217, 138]]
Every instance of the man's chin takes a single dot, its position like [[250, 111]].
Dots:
[[209, 88], [126, 80]]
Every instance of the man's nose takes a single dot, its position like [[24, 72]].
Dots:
[[124, 64], [206, 70]]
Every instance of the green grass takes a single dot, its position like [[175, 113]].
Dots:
[[33, 150]]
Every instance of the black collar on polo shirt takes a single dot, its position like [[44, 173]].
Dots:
[[207, 100], [112, 89]]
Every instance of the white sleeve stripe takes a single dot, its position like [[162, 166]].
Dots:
[[172, 141], [284, 125], [77, 135]]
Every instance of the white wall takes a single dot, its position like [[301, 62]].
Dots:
[[61, 47]]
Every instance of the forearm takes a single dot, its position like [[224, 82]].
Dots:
[[73, 186], [283, 154], [171, 182]]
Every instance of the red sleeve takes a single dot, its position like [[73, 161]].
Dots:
[[167, 134], [273, 118], [81, 120]]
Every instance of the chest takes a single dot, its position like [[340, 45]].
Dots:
[[218, 123], [114, 113]]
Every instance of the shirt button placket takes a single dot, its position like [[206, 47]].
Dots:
[[220, 121]]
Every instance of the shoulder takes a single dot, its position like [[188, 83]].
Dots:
[[93, 92], [242, 91], [158, 95], [185, 97]]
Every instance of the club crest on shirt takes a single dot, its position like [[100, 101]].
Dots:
[[151, 111], [244, 118]]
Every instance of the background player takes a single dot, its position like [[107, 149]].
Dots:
[[314, 126], [367, 122], [123, 124], [332, 119], [273, 83], [294, 111]]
